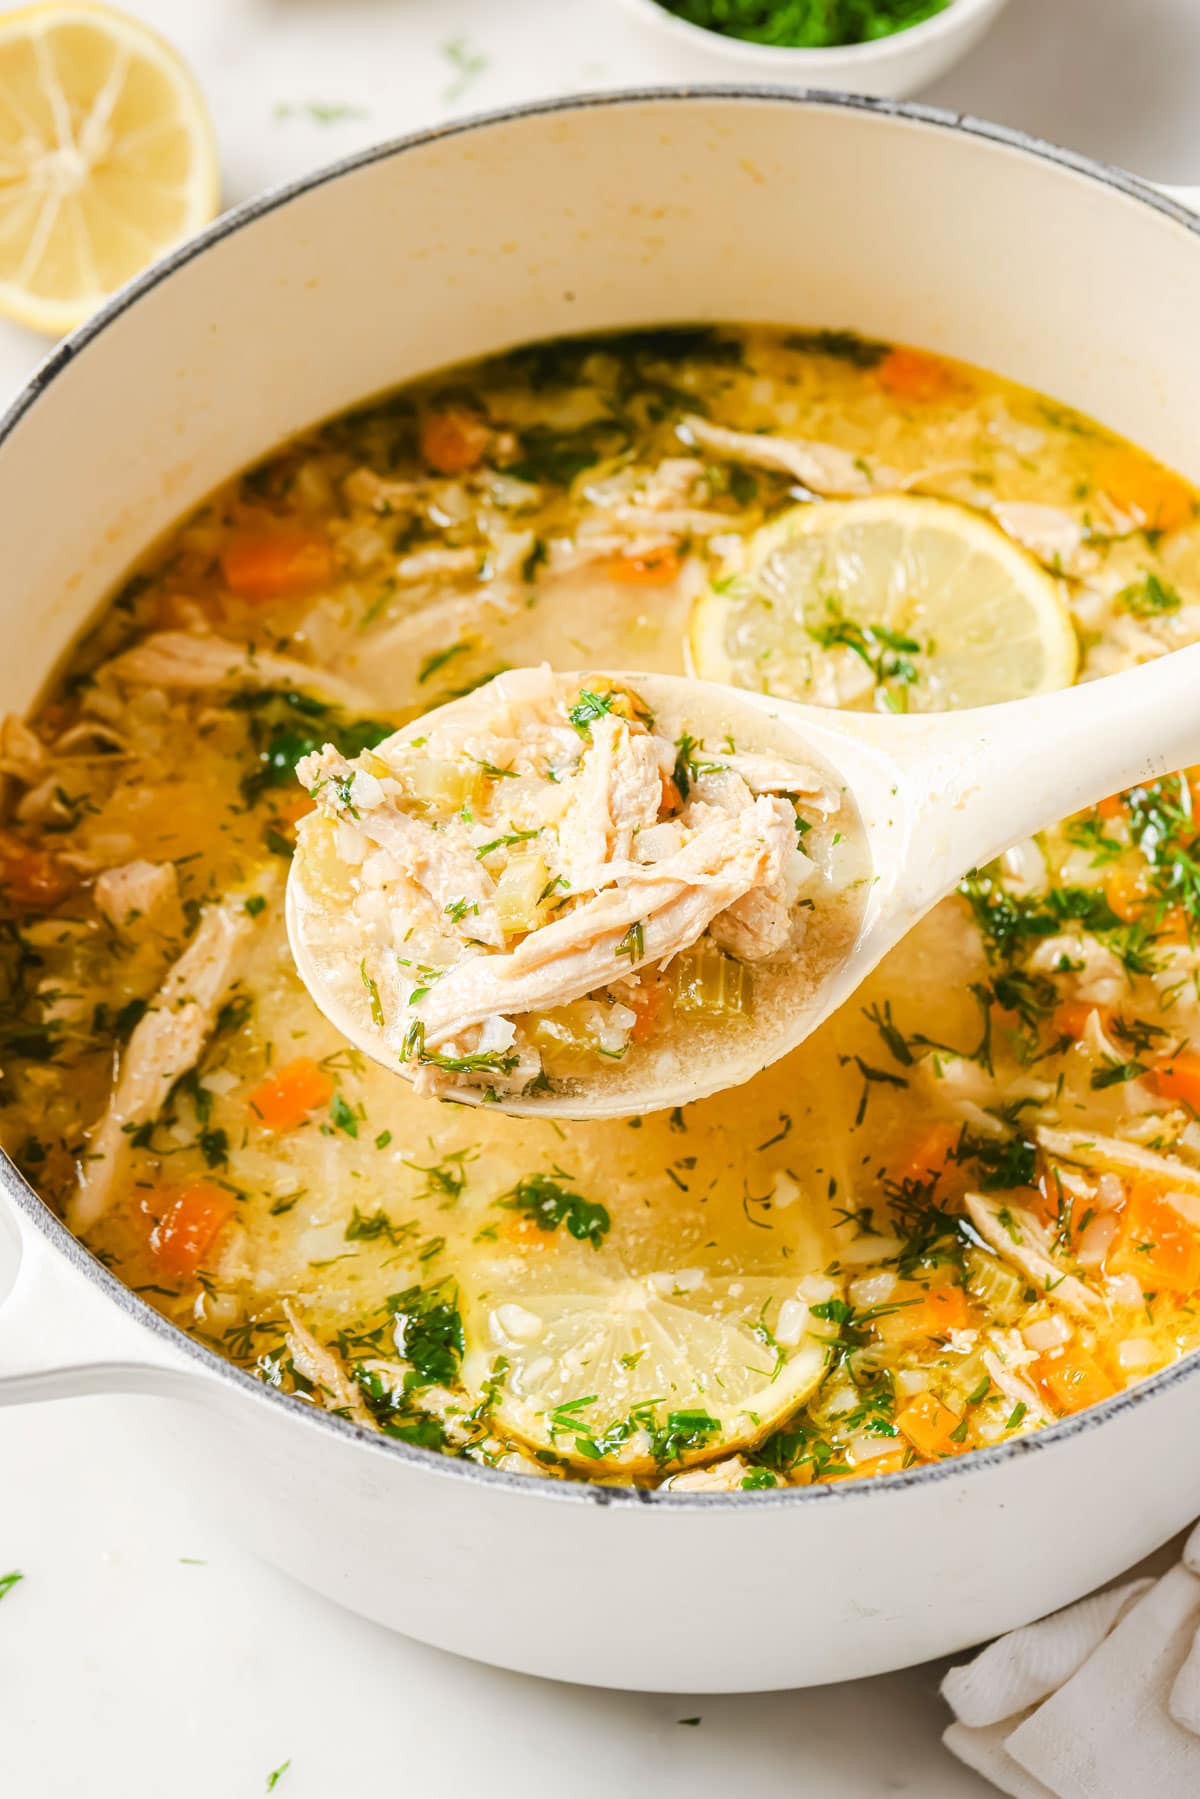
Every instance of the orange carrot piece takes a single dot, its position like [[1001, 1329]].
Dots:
[[672, 799], [650, 1004], [928, 1424], [188, 1228], [888, 1461], [285, 1099], [915, 375], [1157, 1245], [1112, 807], [653, 568], [1073, 1378], [1178, 1078], [277, 564], [454, 439], [1175, 925], [942, 1309], [930, 1153], [1070, 1019], [1138, 486], [1126, 891], [31, 877]]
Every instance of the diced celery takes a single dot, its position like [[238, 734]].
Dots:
[[709, 984], [999, 1289], [441, 785], [567, 1038], [375, 765], [520, 891]]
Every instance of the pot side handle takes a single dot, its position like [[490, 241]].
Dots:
[[62, 1334]]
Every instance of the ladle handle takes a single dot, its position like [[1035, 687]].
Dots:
[[987, 779]]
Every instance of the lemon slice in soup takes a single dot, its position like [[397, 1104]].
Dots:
[[643, 1374], [895, 602]]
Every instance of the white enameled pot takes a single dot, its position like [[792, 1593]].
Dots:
[[625, 210]]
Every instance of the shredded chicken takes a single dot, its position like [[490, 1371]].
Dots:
[[363, 487], [443, 863], [139, 899], [1055, 537], [822, 468], [22, 752], [323, 1368], [756, 926], [719, 1477], [1024, 1244], [771, 774], [440, 562], [672, 902], [1179, 1182], [165, 1044], [182, 659], [1007, 1381], [617, 792]]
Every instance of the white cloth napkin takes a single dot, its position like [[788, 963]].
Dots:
[[1100, 1701]]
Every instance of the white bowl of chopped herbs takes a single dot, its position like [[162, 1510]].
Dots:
[[883, 47]]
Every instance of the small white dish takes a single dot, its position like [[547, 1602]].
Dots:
[[888, 67]]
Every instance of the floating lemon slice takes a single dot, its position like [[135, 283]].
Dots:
[[896, 602], [106, 158], [646, 1373]]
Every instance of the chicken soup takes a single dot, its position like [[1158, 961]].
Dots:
[[966, 1207]]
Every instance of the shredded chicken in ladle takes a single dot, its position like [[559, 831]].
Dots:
[[552, 881]]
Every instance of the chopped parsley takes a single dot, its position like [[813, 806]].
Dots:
[[429, 1334], [548, 1203], [1149, 598]]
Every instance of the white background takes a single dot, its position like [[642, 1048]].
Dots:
[[130, 1672]]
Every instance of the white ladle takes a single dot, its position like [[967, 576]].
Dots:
[[937, 794]]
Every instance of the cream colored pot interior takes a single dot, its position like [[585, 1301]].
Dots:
[[721, 208]]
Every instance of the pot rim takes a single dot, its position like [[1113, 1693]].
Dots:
[[42, 1218]]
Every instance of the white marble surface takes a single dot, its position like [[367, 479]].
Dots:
[[144, 1656]]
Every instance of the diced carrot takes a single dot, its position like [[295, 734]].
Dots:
[[888, 1461], [1070, 1019], [651, 1004], [1138, 486], [1178, 1078], [1112, 807], [1175, 925], [914, 375], [1157, 1245], [930, 1153], [653, 568], [454, 439], [30, 876], [915, 1311], [928, 1424], [188, 1227], [943, 1309], [281, 563], [1073, 1378], [285, 1099], [672, 799], [1126, 891]]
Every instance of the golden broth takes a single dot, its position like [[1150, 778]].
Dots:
[[973, 1188]]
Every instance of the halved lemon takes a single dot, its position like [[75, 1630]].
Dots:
[[895, 602], [106, 158], [643, 1373]]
